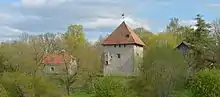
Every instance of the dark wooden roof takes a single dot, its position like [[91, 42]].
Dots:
[[184, 43]]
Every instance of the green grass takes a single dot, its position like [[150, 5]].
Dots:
[[80, 94]]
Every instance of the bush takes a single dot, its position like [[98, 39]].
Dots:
[[80, 94], [181, 93], [206, 83], [19, 85], [163, 71], [111, 87], [3, 92]]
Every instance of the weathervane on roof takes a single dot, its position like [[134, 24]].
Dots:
[[123, 16]]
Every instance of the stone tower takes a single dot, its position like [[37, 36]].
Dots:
[[123, 52]]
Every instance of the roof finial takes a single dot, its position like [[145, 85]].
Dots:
[[123, 16]]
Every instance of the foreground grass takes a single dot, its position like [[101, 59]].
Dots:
[[80, 94]]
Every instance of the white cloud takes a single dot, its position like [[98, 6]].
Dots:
[[187, 22], [33, 3], [101, 23], [164, 3], [11, 18], [190, 23], [110, 23], [113, 22], [41, 16], [9, 32], [135, 23], [41, 3], [214, 5], [4, 18]]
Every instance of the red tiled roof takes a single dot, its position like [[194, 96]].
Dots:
[[56, 59], [123, 34]]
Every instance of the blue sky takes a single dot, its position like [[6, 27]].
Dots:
[[99, 17]]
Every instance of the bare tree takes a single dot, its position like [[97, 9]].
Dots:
[[216, 28], [70, 71], [216, 31], [41, 45]]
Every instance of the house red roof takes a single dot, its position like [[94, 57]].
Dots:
[[123, 34], [56, 59]]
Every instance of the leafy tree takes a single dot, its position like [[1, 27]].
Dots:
[[206, 83], [163, 71], [162, 39], [176, 29], [87, 58], [143, 34], [173, 26], [202, 43], [74, 37]]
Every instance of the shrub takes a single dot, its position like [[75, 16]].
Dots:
[[110, 87], [163, 71], [181, 93], [3, 92], [206, 83], [19, 85]]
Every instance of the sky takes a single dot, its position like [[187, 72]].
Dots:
[[98, 17]]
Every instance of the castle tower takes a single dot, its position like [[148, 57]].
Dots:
[[123, 51]]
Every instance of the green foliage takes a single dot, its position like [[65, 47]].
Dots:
[[3, 92], [80, 94], [2, 63], [202, 42], [143, 34], [173, 26], [181, 93], [74, 38], [163, 70], [216, 30], [163, 73], [110, 87], [206, 83], [19, 85]]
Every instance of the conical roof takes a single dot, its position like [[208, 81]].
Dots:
[[123, 34]]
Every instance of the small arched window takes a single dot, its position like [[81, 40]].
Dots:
[[52, 68]]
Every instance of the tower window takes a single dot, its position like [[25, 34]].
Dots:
[[118, 55], [52, 68], [106, 62]]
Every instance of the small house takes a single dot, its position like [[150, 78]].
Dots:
[[183, 47], [58, 63]]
